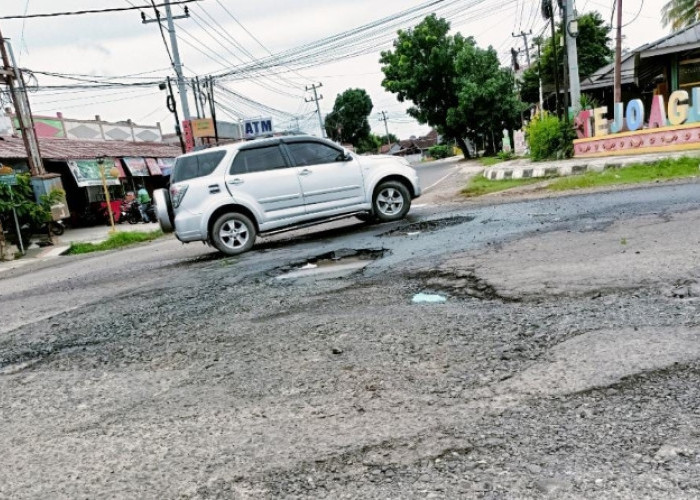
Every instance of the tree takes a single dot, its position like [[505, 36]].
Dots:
[[348, 122], [486, 91], [421, 68], [455, 86], [594, 52], [680, 13]]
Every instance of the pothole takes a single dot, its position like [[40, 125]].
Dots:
[[460, 283], [428, 226], [334, 264]]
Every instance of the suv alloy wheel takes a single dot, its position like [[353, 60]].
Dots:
[[391, 201], [233, 233]]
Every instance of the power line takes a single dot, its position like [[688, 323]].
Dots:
[[92, 11]]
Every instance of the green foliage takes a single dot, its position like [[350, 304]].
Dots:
[[480, 185], [594, 52], [115, 240], [369, 144], [505, 155], [392, 139], [21, 197], [455, 86], [659, 171], [440, 151], [588, 102], [348, 123], [680, 13], [550, 138]]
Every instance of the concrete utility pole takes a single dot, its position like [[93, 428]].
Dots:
[[177, 64], [538, 42], [386, 127], [527, 46], [571, 32], [315, 99], [13, 79], [618, 55]]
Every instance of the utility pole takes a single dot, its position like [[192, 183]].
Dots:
[[177, 64], [527, 46], [618, 55], [386, 127], [565, 77], [548, 13], [571, 32], [538, 42], [209, 84], [13, 79], [315, 99]]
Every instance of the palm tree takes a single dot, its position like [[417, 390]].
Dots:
[[680, 13]]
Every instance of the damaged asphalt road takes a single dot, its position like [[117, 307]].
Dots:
[[564, 363]]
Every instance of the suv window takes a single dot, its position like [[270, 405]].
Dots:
[[189, 167], [248, 161], [313, 153]]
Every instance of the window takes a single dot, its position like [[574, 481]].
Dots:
[[313, 153], [190, 167], [248, 161]]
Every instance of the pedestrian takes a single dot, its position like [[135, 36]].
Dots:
[[144, 200]]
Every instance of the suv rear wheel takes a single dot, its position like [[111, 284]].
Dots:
[[391, 201], [233, 233]]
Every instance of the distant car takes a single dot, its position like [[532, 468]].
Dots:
[[227, 195]]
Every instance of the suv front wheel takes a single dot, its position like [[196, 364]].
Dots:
[[391, 201], [233, 233]]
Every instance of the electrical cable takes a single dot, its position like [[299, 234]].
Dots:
[[93, 11]]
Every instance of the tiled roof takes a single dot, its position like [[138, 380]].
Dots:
[[68, 149]]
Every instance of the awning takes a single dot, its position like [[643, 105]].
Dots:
[[137, 166], [153, 167], [87, 172], [166, 165]]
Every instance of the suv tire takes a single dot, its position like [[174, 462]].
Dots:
[[391, 201], [233, 233]]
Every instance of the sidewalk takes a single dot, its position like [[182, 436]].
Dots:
[[524, 168], [95, 234]]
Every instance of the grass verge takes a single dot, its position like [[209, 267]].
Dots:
[[489, 161], [668, 169], [662, 170], [115, 240]]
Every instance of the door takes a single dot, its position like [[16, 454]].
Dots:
[[263, 179], [328, 179]]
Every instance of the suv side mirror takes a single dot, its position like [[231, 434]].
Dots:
[[345, 156]]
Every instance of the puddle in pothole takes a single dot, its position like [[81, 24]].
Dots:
[[330, 265], [427, 226]]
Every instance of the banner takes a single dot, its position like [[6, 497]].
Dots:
[[153, 167], [203, 127], [137, 166], [166, 165], [87, 172]]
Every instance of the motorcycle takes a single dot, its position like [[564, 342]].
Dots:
[[133, 214]]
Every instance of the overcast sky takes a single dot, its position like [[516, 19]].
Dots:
[[117, 44]]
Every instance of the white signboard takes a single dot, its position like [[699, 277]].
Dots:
[[257, 127], [520, 143]]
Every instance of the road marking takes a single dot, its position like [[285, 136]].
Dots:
[[439, 181]]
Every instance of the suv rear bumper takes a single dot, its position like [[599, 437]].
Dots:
[[188, 226]]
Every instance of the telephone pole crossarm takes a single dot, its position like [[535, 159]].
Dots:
[[317, 97]]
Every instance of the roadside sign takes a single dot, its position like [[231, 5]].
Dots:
[[9, 180]]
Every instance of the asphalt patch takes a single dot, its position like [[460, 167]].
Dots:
[[427, 226]]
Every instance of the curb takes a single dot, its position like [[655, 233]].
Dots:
[[520, 170]]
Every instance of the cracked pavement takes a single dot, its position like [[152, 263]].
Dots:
[[564, 363]]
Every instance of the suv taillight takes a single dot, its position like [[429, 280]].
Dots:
[[177, 193]]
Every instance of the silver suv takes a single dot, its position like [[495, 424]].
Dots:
[[229, 194]]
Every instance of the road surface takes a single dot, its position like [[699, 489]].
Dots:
[[563, 364]]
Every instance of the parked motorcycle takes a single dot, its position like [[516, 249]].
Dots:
[[134, 213]]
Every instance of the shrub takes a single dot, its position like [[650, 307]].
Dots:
[[438, 152], [550, 138], [505, 155]]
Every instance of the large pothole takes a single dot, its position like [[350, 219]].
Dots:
[[427, 226], [461, 283], [336, 264]]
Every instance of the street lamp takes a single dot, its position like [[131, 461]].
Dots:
[[113, 172]]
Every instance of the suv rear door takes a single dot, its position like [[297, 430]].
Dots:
[[328, 180], [262, 177]]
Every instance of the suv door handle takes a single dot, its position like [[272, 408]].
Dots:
[[236, 181], [306, 171]]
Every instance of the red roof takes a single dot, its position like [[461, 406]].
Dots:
[[69, 149]]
